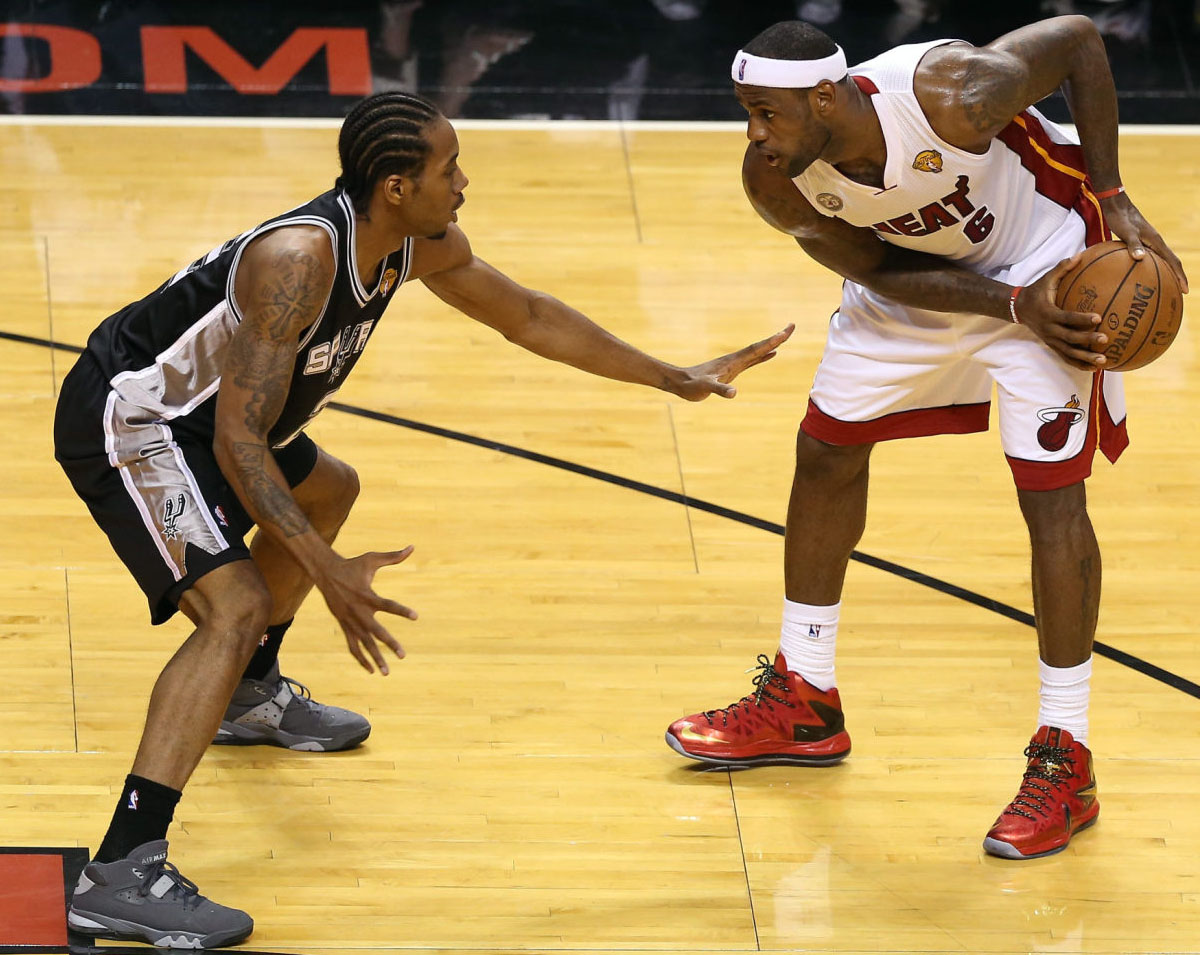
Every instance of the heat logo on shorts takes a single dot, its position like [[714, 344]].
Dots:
[[1052, 435]]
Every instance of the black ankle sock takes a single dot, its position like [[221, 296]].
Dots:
[[143, 814], [267, 653]]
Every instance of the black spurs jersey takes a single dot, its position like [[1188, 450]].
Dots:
[[163, 355]]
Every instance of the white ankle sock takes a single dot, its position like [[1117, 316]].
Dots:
[[1063, 700], [808, 640]]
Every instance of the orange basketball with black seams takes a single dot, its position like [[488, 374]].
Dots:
[[1140, 302]]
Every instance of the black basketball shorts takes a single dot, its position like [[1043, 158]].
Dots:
[[156, 491]]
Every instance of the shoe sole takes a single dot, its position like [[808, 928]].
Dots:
[[1005, 850], [238, 734], [767, 759], [103, 926]]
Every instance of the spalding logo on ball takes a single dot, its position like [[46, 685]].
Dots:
[[1139, 301]]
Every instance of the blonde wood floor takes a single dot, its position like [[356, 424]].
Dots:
[[516, 793]]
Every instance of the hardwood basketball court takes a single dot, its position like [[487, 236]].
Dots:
[[516, 793]]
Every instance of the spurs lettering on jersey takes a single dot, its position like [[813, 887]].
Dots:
[[947, 211], [331, 356]]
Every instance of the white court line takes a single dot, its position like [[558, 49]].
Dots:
[[516, 125]]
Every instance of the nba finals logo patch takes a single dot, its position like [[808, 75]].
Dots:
[[928, 160], [1052, 435], [829, 201], [742, 70], [389, 281]]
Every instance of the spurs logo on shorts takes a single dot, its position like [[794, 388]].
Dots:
[[172, 511], [1058, 423], [928, 160]]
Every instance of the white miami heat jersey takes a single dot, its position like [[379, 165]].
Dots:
[[986, 211]]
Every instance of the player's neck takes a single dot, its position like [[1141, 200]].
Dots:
[[857, 146], [374, 240]]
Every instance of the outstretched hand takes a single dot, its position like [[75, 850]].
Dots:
[[713, 377], [347, 590]]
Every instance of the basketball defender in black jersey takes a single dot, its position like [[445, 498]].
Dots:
[[182, 427]]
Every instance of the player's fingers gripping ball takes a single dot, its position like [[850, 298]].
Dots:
[[1139, 302]]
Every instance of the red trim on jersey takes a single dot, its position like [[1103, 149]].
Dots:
[[865, 85], [918, 423], [1109, 435], [1059, 171]]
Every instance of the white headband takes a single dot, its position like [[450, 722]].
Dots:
[[787, 74]]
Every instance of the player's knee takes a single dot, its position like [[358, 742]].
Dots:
[[348, 486], [816, 460], [238, 613], [1058, 512]]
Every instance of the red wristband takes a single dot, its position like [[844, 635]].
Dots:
[[1109, 193], [1012, 303]]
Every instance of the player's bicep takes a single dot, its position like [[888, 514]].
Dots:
[[282, 287]]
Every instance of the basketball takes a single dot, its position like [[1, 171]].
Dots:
[[1140, 303]]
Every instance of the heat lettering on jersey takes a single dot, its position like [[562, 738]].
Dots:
[[947, 211]]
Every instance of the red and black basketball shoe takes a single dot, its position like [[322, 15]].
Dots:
[[784, 720], [1057, 799]]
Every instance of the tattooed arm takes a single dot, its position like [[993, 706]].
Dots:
[[970, 94], [282, 284]]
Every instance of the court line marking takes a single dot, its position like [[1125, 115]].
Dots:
[[1115, 654]]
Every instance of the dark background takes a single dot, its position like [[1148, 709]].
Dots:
[[568, 59]]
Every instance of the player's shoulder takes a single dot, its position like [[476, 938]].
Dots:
[[966, 91], [440, 254], [297, 245]]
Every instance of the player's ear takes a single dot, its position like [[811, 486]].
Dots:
[[824, 97], [395, 189]]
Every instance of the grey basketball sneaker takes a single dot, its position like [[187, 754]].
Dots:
[[281, 712], [143, 898]]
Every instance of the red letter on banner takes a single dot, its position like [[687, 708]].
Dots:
[[165, 63], [74, 59]]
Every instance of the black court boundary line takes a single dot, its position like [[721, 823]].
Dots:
[[1144, 667]]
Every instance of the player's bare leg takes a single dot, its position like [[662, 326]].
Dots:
[[795, 714], [827, 513], [267, 707], [1066, 573], [229, 606], [1057, 797], [130, 890]]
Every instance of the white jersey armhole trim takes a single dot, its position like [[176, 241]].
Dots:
[[263, 230]]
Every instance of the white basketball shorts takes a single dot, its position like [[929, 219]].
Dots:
[[890, 371]]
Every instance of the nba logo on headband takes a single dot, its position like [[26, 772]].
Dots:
[[742, 70]]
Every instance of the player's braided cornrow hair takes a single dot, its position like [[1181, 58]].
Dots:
[[382, 136]]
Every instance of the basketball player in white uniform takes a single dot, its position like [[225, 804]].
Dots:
[[980, 203]]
